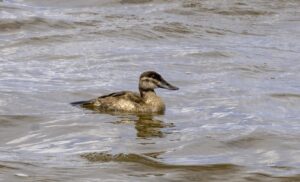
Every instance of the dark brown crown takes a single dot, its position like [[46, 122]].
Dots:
[[151, 74]]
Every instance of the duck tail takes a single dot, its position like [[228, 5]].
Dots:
[[82, 103]]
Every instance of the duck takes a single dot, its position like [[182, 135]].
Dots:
[[144, 102]]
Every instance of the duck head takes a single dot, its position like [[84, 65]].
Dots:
[[151, 80]]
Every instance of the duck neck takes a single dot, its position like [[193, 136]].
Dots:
[[146, 93], [152, 100]]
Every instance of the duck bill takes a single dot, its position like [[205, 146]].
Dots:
[[164, 84]]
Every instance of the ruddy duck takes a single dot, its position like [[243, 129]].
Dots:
[[126, 101]]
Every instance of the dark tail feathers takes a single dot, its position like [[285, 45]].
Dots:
[[80, 103]]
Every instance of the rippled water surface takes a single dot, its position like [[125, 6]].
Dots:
[[236, 116]]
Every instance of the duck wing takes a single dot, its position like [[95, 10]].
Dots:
[[127, 95], [90, 103], [115, 94], [112, 102]]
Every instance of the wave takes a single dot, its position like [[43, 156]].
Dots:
[[205, 172], [34, 23], [149, 161]]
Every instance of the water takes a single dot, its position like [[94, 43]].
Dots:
[[236, 115]]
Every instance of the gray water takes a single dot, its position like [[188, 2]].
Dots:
[[236, 116]]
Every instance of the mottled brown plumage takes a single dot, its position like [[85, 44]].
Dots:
[[126, 101]]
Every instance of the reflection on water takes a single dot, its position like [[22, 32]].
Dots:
[[146, 126]]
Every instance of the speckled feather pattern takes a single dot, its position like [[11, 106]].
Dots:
[[128, 101]]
